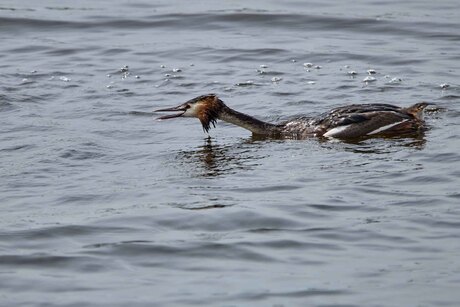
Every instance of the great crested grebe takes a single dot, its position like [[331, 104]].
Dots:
[[353, 121]]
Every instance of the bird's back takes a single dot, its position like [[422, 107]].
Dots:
[[360, 120]]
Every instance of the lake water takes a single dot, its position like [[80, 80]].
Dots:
[[102, 205]]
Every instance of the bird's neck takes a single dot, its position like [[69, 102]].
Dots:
[[247, 122]]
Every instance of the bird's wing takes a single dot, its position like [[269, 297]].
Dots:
[[349, 125]]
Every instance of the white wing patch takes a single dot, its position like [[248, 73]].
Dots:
[[334, 131], [386, 127]]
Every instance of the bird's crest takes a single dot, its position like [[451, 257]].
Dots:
[[208, 108]]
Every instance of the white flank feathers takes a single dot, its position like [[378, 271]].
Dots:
[[334, 131], [386, 127]]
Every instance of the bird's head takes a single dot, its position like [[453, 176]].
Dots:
[[206, 108]]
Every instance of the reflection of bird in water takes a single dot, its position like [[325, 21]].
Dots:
[[210, 160], [348, 122], [209, 155]]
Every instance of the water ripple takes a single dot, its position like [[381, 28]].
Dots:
[[222, 21]]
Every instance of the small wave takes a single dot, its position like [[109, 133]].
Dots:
[[74, 154]]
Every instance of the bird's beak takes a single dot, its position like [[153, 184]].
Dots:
[[181, 109]]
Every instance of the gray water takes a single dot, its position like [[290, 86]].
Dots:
[[101, 205]]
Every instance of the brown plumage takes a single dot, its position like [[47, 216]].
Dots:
[[208, 111], [353, 121]]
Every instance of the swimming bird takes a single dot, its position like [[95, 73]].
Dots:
[[347, 122]]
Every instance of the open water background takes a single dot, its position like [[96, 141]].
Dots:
[[101, 205]]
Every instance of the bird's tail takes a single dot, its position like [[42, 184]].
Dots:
[[416, 110]]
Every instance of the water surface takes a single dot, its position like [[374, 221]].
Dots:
[[101, 205]]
